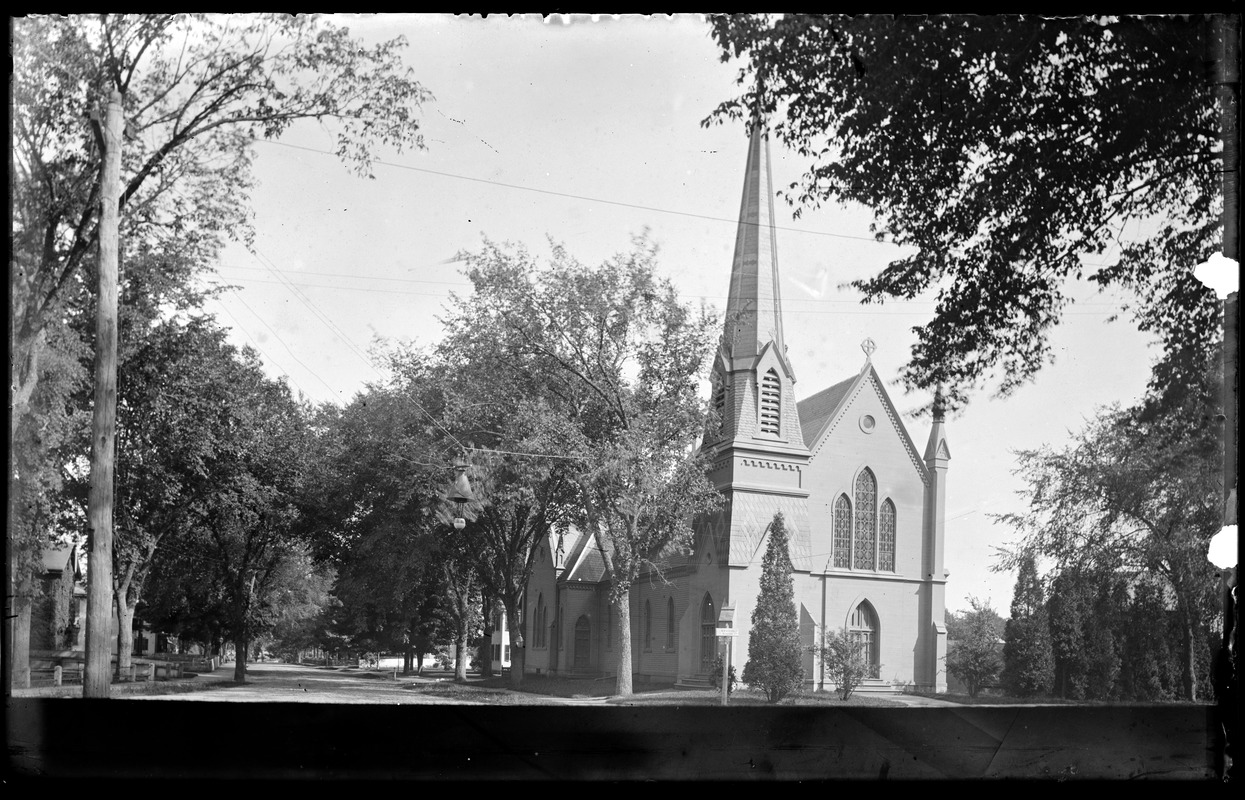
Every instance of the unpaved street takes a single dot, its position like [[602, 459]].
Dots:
[[270, 682]]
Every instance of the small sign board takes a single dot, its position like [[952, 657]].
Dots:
[[725, 631]]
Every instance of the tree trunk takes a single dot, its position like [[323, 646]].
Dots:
[[518, 644], [125, 631], [623, 607], [20, 655], [1189, 665], [240, 646], [461, 649], [486, 649]]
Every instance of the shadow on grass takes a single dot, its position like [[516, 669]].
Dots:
[[649, 694]]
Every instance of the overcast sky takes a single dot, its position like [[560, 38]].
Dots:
[[588, 133]]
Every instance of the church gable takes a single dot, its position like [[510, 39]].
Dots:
[[864, 418]]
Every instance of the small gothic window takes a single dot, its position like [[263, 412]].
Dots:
[[537, 637], [669, 623], [648, 625], [886, 537], [771, 397], [866, 521], [719, 397], [842, 532]]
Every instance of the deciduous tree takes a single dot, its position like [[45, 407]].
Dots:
[[198, 90], [613, 351], [845, 661], [1135, 494], [975, 657]]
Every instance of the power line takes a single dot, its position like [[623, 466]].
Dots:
[[315, 310], [572, 196], [881, 309], [355, 276]]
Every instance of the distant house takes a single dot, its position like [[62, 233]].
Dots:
[[499, 642], [58, 608]]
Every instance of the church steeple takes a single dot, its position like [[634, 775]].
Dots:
[[753, 380], [754, 306]]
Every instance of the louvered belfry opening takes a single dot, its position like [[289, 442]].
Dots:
[[771, 394]]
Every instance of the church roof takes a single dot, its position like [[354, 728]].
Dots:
[[585, 561], [817, 410]]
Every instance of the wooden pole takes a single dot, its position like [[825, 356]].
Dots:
[[1226, 41], [1229, 83], [97, 677]]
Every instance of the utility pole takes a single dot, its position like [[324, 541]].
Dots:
[[97, 678], [1225, 42]]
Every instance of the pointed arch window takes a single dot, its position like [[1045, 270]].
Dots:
[[538, 632], [886, 536], [863, 555], [669, 623], [609, 624], [771, 403], [842, 532], [863, 628], [648, 625]]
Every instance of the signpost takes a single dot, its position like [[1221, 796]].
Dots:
[[728, 633]]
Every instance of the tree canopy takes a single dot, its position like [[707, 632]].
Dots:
[[197, 90], [615, 359], [1135, 496], [1014, 155]]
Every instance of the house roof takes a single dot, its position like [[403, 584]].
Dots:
[[56, 559]]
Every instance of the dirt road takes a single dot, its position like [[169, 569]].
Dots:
[[270, 682]]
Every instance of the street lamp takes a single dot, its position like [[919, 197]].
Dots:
[[460, 495]]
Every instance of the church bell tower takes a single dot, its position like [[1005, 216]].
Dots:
[[759, 451]]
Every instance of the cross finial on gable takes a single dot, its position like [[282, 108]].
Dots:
[[868, 346]]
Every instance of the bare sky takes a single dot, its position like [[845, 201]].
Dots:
[[588, 133]]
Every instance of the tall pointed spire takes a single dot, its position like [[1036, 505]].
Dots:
[[754, 306]]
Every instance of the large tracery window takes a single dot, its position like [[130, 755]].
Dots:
[[842, 532], [866, 521], [886, 537], [771, 403]]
